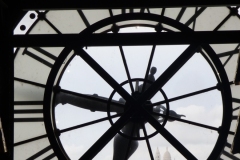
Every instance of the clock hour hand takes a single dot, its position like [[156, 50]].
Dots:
[[124, 147], [90, 102]]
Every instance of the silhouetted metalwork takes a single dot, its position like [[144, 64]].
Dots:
[[125, 143], [143, 99]]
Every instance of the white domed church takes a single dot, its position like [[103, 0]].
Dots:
[[166, 156]]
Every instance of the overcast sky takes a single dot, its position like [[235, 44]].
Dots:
[[194, 75]]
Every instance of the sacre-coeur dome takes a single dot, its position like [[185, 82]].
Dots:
[[167, 155]]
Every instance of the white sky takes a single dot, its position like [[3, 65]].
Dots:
[[194, 75]]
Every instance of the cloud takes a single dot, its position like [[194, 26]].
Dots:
[[205, 115]]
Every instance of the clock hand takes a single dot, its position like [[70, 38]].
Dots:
[[172, 113], [90, 102], [124, 147]]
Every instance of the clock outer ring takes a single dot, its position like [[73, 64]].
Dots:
[[226, 92]]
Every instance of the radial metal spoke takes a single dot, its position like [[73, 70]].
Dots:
[[147, 141], [108, 135], [168, 73], [148, 67], [101, 72], [126, 68], [185, 96], [89, 123], [187, 121], [170, 138]]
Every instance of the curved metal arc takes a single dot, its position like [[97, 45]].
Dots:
[[135, 16], [227, 102]]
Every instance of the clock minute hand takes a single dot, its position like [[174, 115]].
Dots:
[[90, 102]]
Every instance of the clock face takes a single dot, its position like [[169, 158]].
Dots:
[[88, 102]]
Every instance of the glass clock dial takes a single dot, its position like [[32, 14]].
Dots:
[[87, 102]]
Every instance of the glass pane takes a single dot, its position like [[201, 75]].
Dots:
[[94, 16], [26, 92], [116, 11], [72, 21], [164, 56], [137, 58], [77, 142], [172, 12], [197, 140], [233, 23], [235, 91], [109, 58], [42, 27], [188, 80], [27, 130], [27, 150], [155, 11], [33, 64], [81, 78], [189, 12], [222, 48], [231, 67], [47, 155], [204, 108], [210, 18]]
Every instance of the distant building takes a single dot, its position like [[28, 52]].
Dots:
[[157, 155], [166, 156]]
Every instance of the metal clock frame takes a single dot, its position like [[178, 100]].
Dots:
[[48, 110]]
